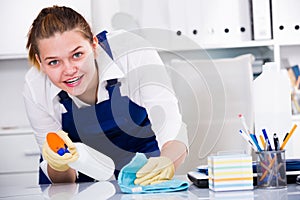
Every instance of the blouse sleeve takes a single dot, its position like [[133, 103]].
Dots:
[[38, 114], [151, 86]]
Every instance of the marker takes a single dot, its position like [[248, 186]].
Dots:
[[56, 144], [276, 142], [267, 139], [288, 137]]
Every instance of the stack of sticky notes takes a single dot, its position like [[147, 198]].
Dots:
[[230, 172]]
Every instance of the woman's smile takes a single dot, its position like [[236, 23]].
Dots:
[[73, 82]]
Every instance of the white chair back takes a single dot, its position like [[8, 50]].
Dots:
[[211, 94]]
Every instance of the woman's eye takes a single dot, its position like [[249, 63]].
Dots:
[[77, 55], [53, 62]]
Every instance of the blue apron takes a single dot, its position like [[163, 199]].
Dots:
[[116, 127]]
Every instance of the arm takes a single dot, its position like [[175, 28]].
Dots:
[[149, 85], [68, 176], [42, 122], [58, 163], [176, 151], [159, 99], [161, 103]]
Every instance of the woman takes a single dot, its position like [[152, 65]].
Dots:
[[101, 95]]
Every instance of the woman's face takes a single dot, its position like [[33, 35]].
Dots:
[[68, 60]]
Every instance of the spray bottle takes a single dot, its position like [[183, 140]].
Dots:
[[90, 162], [272, 101]]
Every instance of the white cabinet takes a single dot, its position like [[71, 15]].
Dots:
[[223, 30], [286, 30], [19, 158], [17, 16]]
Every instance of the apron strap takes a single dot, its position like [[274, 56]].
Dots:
[[105, 45], [65, 100], [102, 40], [111, 83]]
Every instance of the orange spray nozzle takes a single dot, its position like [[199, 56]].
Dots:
[[56, 143]]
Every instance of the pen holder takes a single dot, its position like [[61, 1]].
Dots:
[[271, 169]]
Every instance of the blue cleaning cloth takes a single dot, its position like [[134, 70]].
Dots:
[[127, 176]]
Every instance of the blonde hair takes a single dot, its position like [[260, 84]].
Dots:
[[52, 20]]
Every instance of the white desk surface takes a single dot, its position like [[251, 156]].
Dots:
[[110, 190]]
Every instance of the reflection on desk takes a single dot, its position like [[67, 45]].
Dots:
[[66, 191], [111, 190], [292, 192], [101, 190]]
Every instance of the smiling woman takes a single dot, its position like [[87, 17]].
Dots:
[[68, 60], [117, 101]]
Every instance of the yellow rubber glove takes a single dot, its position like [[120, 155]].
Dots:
[[57, 162], [156, 170]]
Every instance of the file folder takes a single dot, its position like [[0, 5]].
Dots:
[[286, 17], [261, 19], [219, 21]]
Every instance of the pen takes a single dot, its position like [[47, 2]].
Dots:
[[248, 140], [277, 148], [267, 145], [270, 167], [285, 136], [254, 136], [267, 139], [255, 141], [276, 142], [244, 123], [262, 141], [288, 137]]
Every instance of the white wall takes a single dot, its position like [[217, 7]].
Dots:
[[12, 109]]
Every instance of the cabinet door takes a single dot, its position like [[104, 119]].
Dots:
[[19, 153], [19, 179], [17, 16]]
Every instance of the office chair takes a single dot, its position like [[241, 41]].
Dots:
[[211, 94]]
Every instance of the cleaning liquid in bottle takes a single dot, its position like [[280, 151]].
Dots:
[[90, 162], [272, 101]]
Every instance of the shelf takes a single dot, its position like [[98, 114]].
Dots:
[[12, 56], [21, 130], [255, 47], [295, 42], [239, 44]]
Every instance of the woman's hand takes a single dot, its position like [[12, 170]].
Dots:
[[57, 162], [156, 170]]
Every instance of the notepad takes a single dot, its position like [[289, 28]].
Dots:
[[230, 172]]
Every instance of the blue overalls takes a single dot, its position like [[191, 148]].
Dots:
[[116, 127]]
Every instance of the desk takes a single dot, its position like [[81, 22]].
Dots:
[[110, 190]]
